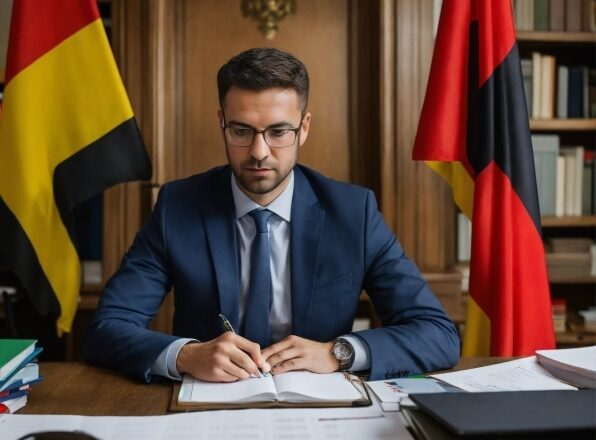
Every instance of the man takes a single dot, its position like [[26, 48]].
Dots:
[[288, 277]]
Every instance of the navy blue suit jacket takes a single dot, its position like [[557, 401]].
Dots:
[[339, 245]]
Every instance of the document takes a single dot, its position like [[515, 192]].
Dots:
[[253, 424], [518, 375], [295, 388]]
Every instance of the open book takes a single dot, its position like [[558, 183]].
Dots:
[[295, 389]]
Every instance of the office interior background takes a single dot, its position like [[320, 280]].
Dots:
[[369, 63]]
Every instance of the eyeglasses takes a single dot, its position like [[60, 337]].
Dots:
[[244, 136]]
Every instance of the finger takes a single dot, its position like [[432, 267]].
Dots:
[[284, 355], [290, 365], [284, 344], [224, 376], [235, 370], [251, 348], [245, 362]]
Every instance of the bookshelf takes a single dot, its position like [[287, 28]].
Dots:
[[567, 284], [554, 125], [558, 38]]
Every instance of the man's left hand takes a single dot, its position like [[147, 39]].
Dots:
[[296, 353]]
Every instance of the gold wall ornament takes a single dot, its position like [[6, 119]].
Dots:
[[268, 13]]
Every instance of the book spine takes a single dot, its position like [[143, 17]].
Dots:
[[560, 197], [546, 150], [578, 184], [536, 85], [588, 15], [562, 91], [541, 15], [573, 15], [557, 15], [587, 183], [574, 97], [569, 183], [547, 85]]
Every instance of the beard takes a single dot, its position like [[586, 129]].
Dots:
[[260, 184]]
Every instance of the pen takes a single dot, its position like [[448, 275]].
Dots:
[[227, 327]]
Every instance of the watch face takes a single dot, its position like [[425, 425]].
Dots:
[[342, 350]]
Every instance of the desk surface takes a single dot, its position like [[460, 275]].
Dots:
[[81, 389]]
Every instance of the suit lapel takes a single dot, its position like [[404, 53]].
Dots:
[[221, 234], [306, 228]]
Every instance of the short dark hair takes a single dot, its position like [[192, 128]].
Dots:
[[261, 69]]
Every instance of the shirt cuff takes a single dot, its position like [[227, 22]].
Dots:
[[165, 364], [361, 353]]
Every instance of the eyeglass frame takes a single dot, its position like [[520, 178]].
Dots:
[[296, 131]]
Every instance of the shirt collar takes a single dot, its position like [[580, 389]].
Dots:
[[281, 206]]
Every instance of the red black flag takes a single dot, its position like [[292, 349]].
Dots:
[[474, 131], [67, 132]]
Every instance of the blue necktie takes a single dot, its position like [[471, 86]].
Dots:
[[256, 313]]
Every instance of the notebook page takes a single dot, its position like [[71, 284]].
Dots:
[[258, 389], [303, 386]]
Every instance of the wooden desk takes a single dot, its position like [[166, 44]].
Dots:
[[81, 389]]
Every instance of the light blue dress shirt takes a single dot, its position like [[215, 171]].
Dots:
[[280, 318]]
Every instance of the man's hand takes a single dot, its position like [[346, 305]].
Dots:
[[226, 358], [295, 353]]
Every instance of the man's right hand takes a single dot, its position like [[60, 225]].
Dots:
[[226, 358]]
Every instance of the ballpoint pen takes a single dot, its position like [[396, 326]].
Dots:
[[225, 324]]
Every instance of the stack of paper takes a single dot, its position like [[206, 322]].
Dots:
[[18, 371], [576, 366]]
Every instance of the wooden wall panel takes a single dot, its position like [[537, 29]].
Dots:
[[416, 203], [214, 30]]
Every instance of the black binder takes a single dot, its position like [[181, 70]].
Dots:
[[540, 414]]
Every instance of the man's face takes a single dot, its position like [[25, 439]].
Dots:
[[263, 172]]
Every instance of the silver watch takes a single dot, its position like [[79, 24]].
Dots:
[[344, 353]]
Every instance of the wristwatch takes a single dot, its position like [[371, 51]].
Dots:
[[344, 353]]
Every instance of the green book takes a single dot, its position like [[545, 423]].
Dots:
[[12, 354], [541, 15]]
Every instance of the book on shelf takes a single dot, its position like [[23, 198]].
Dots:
[[574, 245], [546, 151], [575, 91], [573, 15], [557, 15], [526, 66], [541, 15], [560, 179], [292, 389], [568, 264], [536, 84], [562, 91], [556, 90], [574, 169], [588, 205], [548, 70], [559, 308]]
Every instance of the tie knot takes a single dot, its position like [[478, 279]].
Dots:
[[260, 217]]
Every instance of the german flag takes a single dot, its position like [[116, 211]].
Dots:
[[474, 132], [67, 132]]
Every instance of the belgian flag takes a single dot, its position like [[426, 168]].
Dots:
[[474, 131], [67, 132]]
